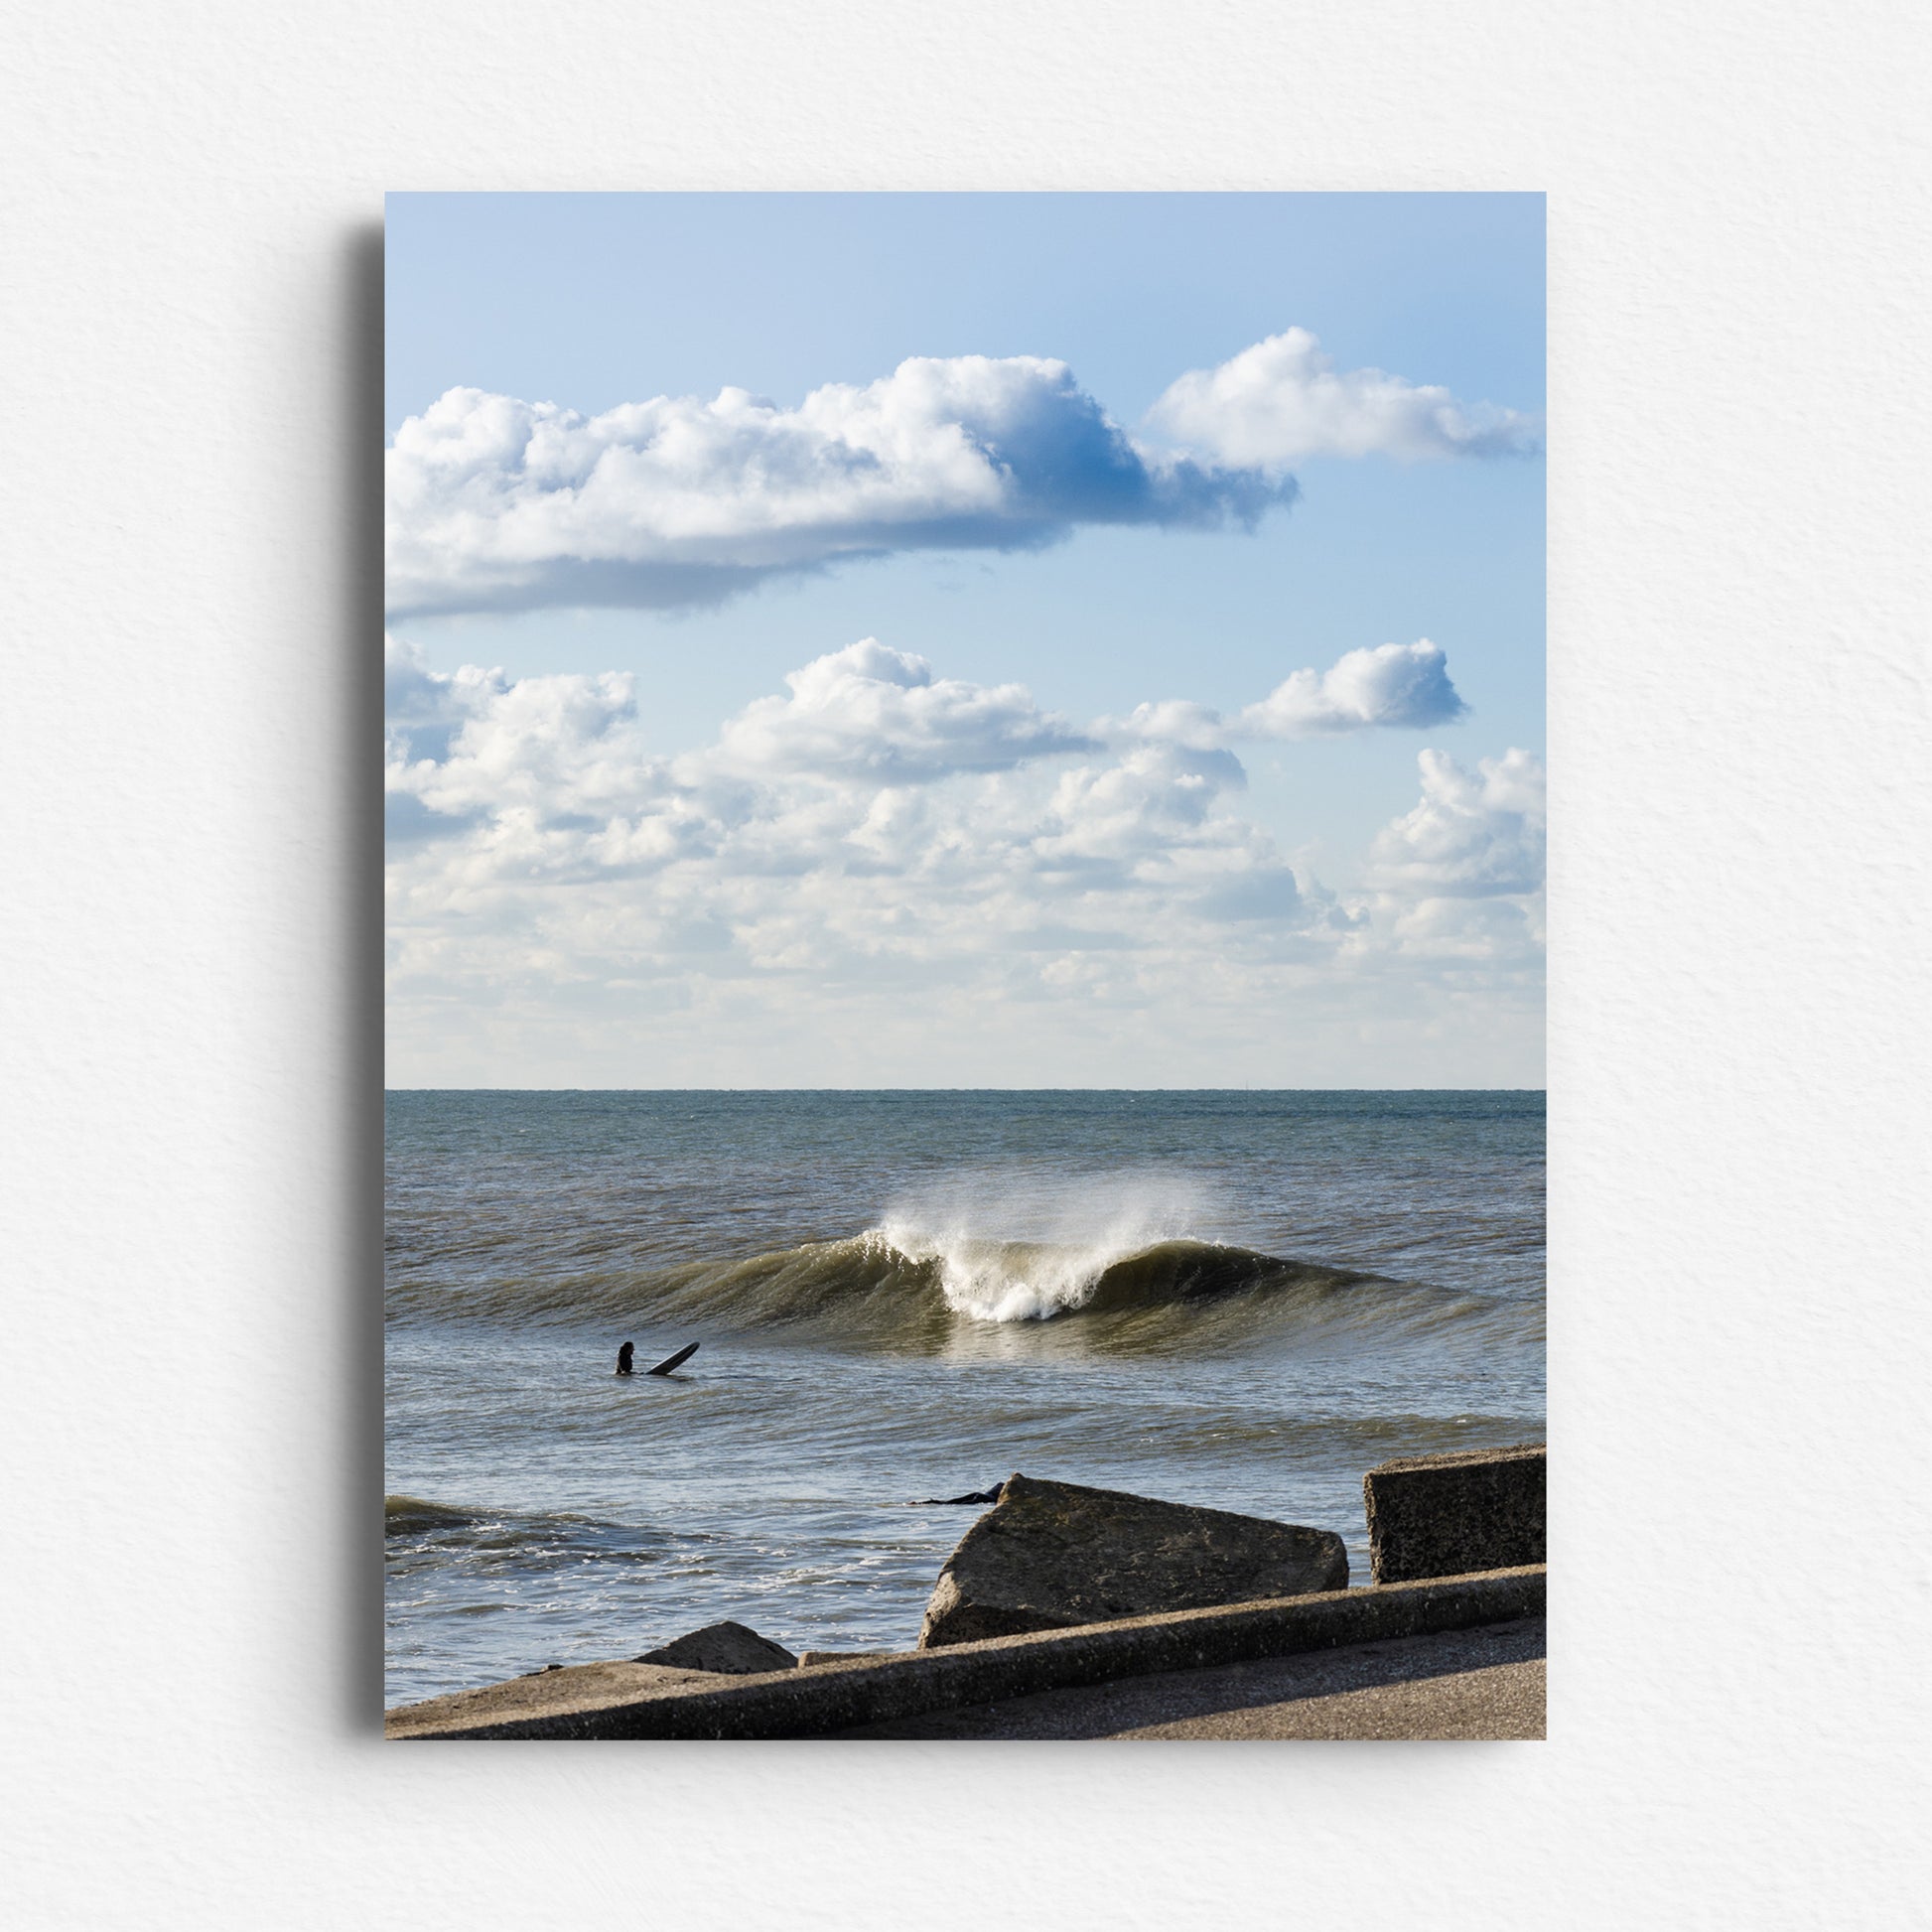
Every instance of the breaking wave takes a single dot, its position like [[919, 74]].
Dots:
[[1039, 1281], [897, 1287]]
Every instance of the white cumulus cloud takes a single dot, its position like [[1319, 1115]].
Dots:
[[1283, 400], [493, 502], [1392, 686], [886, 862], [874, 712], [478, 742], [1472, 835], [1404, 686]]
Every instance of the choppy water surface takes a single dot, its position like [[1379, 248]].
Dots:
[[1242, 1300]]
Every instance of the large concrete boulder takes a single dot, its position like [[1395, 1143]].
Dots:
[[1051, 1555], [1447, 1515], [728, 1648]]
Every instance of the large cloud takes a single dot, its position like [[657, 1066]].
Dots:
[[898, 862], [498, 504], [1284, 400], [869, 765]]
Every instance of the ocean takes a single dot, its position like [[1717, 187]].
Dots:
[[1242, 1300]]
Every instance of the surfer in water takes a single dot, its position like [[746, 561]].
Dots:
[[665, 1367]]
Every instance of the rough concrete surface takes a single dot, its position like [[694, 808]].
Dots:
[[728, 1649], [1485, 1682], [546, 1695], [1446, 1515], [1051, 1556], [599, 1701]]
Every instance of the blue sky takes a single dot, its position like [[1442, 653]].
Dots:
[[597, 302]]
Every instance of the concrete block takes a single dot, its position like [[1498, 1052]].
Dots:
[[1452, 1515], [1055, 1554]]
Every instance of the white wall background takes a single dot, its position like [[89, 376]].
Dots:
[[188, 495]]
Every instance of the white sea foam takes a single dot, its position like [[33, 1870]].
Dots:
[[1009, 1250]]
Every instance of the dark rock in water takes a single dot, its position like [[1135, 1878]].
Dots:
[[1447, 1515], [972, 1496], [728, 1648], [1054, 1554]]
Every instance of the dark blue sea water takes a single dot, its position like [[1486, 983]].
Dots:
[[1243, 1300]]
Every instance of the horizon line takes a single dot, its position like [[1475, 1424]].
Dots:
[[960, 1089]]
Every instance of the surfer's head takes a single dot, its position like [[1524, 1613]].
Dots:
[[624, 1357]]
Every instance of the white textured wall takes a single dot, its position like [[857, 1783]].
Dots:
[[188, 474]]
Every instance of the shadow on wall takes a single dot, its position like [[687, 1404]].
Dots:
[[356, 917]]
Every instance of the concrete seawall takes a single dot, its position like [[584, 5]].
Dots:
[[618, 1701]]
